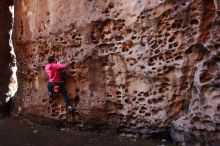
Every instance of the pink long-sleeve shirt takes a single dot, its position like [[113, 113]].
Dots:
[[52, 70]]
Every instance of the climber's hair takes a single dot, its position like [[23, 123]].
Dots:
[[51, 59]]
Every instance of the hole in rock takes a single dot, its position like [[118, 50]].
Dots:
[[128, 101], [212, 67], [147, 114], [134, 99], [175, 44], [141, 99], [205, 77], [218, 108], [146, 94], [197, 51], [196, 119], [171, 39], [194, 22]]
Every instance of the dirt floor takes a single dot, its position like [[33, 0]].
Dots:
[[19, 132]]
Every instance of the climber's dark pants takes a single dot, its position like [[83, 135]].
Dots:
[[62, 90]]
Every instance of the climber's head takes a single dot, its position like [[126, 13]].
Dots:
[[51, 59]]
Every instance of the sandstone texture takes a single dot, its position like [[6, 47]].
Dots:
[[5, 56], [136, 67]]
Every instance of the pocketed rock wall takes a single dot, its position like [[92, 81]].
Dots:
[[138, 66]]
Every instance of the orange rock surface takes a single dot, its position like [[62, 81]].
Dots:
[[138, 66]]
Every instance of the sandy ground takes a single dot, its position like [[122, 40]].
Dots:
[[19, 132]]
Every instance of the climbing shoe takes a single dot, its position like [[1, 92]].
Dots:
[[50, 95], [72, 107], [69, 107]]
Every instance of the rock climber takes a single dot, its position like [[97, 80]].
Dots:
[[53, 69]]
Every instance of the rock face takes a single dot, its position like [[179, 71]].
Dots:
[[5, 56], [138, 66]]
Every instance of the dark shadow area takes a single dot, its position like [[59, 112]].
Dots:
[[5, 56], [5, 108]]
